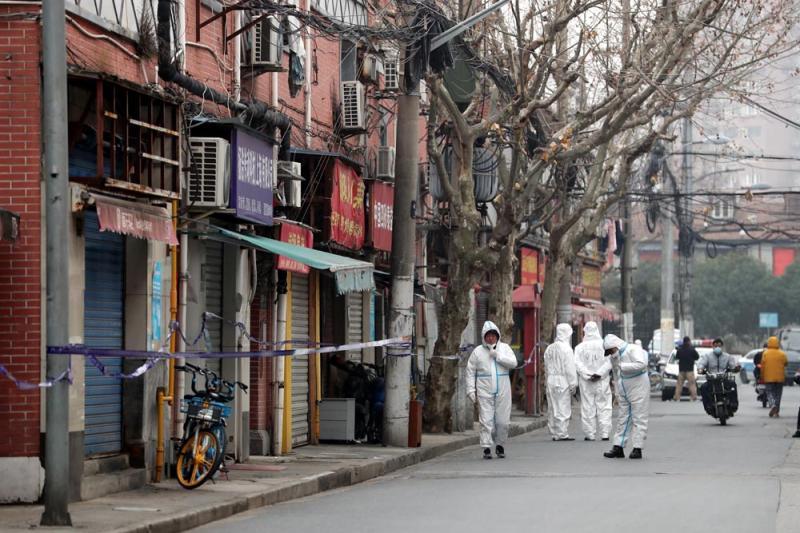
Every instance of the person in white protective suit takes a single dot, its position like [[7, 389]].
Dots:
[[633, 389], [594, 379], [488, 384], [559, 366]]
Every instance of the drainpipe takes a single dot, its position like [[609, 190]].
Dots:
[[279, 279], [308, 82]]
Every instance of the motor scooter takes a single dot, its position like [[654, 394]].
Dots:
[[720, 398], [760, 387]]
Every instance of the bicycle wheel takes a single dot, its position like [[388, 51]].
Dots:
[[196, 464]]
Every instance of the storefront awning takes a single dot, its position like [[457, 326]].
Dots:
[[351, 274], [9, 225], [594, 310], [525, 296], [143, 221]]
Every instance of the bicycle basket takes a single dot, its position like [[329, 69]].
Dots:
[[213, 412]]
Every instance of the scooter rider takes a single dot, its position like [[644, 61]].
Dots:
[[633, 387], [715, 362]]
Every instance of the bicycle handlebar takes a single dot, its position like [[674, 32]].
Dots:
[[215, 380]]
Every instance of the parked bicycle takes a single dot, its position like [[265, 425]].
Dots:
[[202, 448]]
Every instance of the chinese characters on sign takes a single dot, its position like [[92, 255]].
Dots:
[[591, 282], [253, 174], [381, 203], [137, 220], [347, 207], [529, 266], [155, 307], [298, 236]]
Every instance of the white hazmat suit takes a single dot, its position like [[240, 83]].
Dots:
[[595, 394], [559, 366], [488, 384], [633, 389]]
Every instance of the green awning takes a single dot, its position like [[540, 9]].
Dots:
[[351, 274]]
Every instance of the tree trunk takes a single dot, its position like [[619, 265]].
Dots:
[[500, 304], [454, 317]]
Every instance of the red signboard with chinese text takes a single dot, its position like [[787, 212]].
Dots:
[[529, 266], [298, 236], [381, 206], [347, 207]]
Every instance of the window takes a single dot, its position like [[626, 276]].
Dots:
[[723, 210], [352, 12], [121, 14], [348, 66], [750, 179], [139, 132]]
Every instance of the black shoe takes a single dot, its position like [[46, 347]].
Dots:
[[796, 434], [564, 439], [487, 453], [588, 439], [500, 452], [615, 452], [604, 438], [636, 453]]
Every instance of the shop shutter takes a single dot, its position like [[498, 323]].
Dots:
[[355, 322], [103, 324], [212, 277], [300, 336]]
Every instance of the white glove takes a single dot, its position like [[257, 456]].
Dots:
[[493, 353], [471, 397]]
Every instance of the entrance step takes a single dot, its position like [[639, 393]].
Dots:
[[108, 475]]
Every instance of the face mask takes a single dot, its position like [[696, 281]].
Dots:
[[717, 350]]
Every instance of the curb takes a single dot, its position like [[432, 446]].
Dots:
[[342, 477]]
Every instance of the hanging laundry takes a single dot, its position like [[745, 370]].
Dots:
[[297, 57]]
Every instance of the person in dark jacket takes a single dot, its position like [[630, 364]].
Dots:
[[686, 356], [757, 362]]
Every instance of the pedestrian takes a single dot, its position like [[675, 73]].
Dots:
[[757, 363], [488, 384], [594, 377], [687, 356], [633, 391], [773, 369], [562, 380], [797, 382]]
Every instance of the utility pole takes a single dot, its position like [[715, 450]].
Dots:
[[404, 227], [667, 279], [626, 272], [54, 125], [686, 255]]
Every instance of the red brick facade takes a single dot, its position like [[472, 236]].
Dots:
[[20, 262]]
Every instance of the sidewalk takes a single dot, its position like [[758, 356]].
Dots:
[[166, 507]]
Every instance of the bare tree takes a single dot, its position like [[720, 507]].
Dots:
[[573, 92]]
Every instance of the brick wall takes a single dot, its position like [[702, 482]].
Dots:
[[261, 391], [20, 265]]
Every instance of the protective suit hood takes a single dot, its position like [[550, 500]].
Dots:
[[591, 332], [563, 333], [612, 341], [487, 327]]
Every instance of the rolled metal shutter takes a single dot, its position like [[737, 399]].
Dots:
[[300, 336], [355, 323], [103, 327], [212, 276]]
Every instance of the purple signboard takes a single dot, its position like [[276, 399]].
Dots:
[[251, 178]]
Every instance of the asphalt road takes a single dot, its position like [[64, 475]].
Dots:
[[696, 476]]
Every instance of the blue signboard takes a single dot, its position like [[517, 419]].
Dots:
[[252, 176], [155, 306], [768, 320]]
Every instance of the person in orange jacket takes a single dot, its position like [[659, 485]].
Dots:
[[773, 370]]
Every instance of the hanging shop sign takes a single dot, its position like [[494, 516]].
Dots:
[[529, 266], [298, 236], [137, 220], [591, 281], [347, 207], [382, 208], [252, 179]]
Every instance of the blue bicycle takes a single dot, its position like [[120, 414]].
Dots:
[[202, 447]]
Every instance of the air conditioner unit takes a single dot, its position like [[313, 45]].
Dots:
[[266, 44], [290, 174], [423, 93], [209, 179], [385, 162], [391, 72], [353, 98]]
